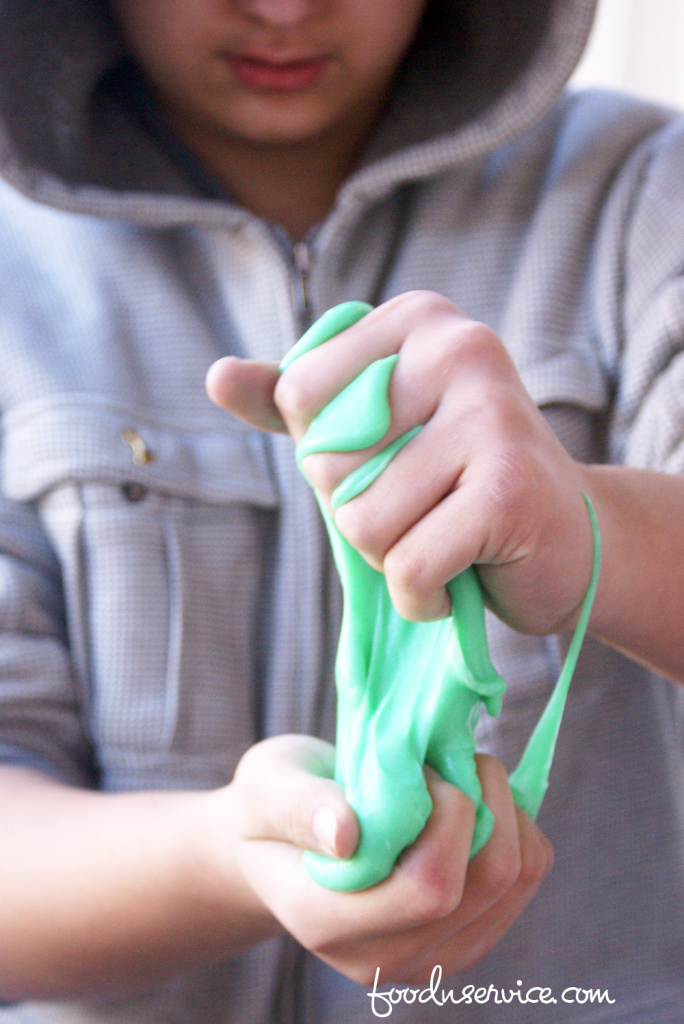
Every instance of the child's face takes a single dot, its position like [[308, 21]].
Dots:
[[269, 71]]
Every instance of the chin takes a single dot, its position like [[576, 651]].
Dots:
[[280, 122], [278, 134]]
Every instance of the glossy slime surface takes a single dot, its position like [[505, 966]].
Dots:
[[409, 694]]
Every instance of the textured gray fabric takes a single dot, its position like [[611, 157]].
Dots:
[[153, 632]]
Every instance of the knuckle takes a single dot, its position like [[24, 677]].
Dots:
[[426, 317], [438, 893], [266, 756], [294, 395], [512, 494], [298, 832], [323, 470], [247, 787], [480, 343], [360, 529], [405, 569], [432, 906], [537, 858], [460, 344], [502, 870], [417, 302], [250, 766], [501, 419], [299, 814], [508, 480]]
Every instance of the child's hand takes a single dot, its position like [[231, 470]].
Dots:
[[435, 908], [486, 481]]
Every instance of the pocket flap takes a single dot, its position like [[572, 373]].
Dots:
[[78, 439]]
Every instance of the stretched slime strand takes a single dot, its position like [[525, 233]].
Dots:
[[408, 694]]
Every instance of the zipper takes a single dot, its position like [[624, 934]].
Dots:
[[300, 276], [299, 258]]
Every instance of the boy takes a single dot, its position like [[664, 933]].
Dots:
[[228, 172]]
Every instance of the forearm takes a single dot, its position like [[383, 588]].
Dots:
[[111, 892], [639, 605]]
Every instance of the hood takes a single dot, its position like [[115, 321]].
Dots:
[[480, 73]]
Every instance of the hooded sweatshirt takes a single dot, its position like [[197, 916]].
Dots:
[[167, 595]]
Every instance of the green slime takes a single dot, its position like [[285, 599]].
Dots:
[[409, 694]]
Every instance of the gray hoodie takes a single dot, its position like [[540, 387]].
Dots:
[[166, 591]]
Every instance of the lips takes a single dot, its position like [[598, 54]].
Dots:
[[277, 76]]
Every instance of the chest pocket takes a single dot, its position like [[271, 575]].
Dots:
[[161, 532]]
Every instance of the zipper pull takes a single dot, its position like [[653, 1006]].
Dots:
[[301, 257]]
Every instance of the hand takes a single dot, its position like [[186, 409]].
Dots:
[[435, 908], [486, 481]]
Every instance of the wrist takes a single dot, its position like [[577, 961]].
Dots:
[[638, 608], [214, 851]]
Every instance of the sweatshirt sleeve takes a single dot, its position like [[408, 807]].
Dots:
[[648, 418], [40, 724]]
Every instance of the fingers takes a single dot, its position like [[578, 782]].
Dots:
[[500, 881], [454, 912], [435, 907], [421, 319], [245, 388], [425, 885], [477, 939], [286, 792], [444, 501], [484, 482], [496, 868], [430, 875], [505, 874], [484, 880], [467, 526]]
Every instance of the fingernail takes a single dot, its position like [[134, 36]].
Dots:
[[325, 829]]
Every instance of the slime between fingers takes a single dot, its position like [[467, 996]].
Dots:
[[408, 694]]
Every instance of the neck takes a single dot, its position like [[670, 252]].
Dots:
[[290, 184]]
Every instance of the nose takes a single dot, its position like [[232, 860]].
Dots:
[[280, 13]]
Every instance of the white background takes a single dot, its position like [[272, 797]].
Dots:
[[637, 46]]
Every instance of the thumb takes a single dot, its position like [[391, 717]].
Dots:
[[245, 387], [286, 792]]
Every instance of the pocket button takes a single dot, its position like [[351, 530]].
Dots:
[[133, 491]]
